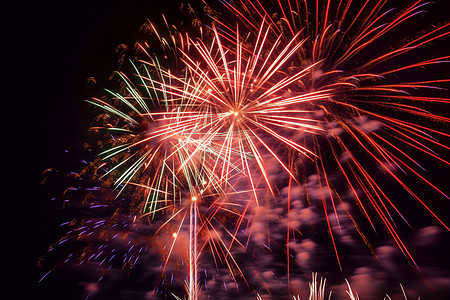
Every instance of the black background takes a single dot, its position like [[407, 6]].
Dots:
[[49, 49]]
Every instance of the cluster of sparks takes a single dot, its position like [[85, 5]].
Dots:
[[305, 90]]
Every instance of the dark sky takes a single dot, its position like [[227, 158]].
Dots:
[[50, 48]]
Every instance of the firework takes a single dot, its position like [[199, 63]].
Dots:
[[249, 114]]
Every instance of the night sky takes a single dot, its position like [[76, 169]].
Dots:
[[50, 49]]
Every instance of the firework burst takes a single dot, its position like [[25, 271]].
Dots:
[[205, 129], [250, 114]]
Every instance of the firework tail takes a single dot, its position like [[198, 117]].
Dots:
[[193, 288]]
